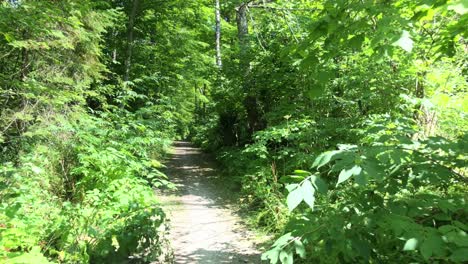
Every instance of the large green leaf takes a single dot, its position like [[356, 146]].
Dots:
[[272, 255], [286, 257], [324, 158], [308, 193], [411, 244], [319, 184], [433, 245], [294, 198], [300, 248], [459, 255], [346, 174]]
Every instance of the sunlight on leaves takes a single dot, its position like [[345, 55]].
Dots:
[[405, 42]]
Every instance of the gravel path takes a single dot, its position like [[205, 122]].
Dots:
[[204, 227]]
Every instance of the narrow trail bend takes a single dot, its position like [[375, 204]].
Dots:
[[203, 226]]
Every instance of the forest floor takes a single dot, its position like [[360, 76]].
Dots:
[[204, 225]]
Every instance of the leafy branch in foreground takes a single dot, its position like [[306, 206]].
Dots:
[[390, 198]]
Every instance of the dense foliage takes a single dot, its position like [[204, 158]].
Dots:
[[82, 192], [91, 98], [344, 122], [358, 110]]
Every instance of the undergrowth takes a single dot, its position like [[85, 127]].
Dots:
[[82, 192]]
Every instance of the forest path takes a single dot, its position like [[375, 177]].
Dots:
[[203, 225]]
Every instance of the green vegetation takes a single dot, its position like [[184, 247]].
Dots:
[[81, 144], [343, 121]]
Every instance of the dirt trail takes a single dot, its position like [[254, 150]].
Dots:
[[204, 227]]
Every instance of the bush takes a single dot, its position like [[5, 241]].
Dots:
[[83, 192], [390, 198]]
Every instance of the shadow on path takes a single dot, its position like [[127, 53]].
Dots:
[[204, 227]]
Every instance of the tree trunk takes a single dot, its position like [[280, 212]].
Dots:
[[130, 31], [25, 64], [219, 61], [243, 35], [250, 101], [227, 123], [425, 116], [203, 92]]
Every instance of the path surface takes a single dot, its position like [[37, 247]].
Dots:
[[204, 227]]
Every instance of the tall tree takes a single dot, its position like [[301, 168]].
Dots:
[[219, 61], [243, 35], [250, 101], [130, 41]]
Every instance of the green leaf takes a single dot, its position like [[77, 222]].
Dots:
[[302, 173], [405, 42], [291, 178], [284, 239], [459, 255], [346, 174], [286, 257], [319, 184], [411, 244], [294, 198], [433, 244], [356, 42], [316, 91], [460, 238], [460, 225], [324, 76], [308, 193], [309, 62], [272, 255], [9, 37], [324, 158], [11, 210], [362, 247], [373, 170], [156, 164], [300, 249], [291, 187], [361, 179]]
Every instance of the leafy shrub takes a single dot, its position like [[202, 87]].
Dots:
[[390, 198], [82, 193]]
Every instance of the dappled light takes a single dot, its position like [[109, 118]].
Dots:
[[204, 225]]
